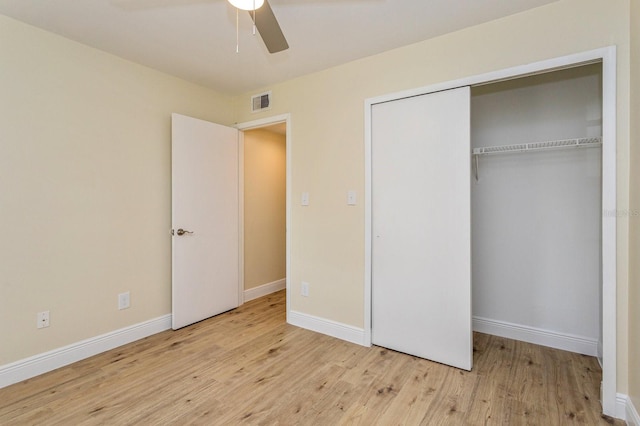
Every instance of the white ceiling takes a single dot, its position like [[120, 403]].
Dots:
[[196, 39]]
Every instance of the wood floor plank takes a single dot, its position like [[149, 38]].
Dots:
[[248, 366]]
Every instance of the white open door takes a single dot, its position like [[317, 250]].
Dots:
[[421, 224], [204, 201]]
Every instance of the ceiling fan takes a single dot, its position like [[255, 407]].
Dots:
[[265, 22]]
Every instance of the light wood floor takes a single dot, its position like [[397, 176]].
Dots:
[[249, 367]]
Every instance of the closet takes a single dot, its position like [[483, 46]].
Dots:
[[486, 214], [536, 208]]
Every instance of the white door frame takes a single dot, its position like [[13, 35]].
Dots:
[[251, 125], [607, 56]]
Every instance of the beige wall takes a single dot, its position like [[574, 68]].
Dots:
[[327, 238], [634, 228], [264, 207], [85, 195]]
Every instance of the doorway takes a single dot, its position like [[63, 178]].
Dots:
[[265, 205], [264, 177]]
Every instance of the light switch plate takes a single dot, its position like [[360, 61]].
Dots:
[[305, 198], [351, 198], [124, 300]]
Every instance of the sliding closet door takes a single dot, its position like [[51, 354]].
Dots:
[[421, 224]]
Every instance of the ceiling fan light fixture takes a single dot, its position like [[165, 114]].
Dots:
[[247, 4]]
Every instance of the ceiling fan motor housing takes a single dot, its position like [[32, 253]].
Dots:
[[247, 4]]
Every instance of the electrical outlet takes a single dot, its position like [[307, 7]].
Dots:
[[304, 289], [43, 319], [123, 300]]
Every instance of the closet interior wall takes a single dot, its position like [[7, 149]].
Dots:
[[536, 216]]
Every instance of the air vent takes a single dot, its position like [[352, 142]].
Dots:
[[261, 102]]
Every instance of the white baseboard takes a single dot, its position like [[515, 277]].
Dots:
[[626, 410], [567, 342], [263, 290], [328, 327], [48, 361]]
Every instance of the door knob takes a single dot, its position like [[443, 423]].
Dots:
[[183, 231]]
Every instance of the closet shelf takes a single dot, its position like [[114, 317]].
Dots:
[[534, 146], [539, 146]]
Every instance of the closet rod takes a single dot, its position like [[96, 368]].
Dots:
[[534, 146]]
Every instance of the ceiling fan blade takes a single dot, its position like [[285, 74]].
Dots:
[[269, 29]]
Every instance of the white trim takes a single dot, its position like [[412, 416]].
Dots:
[[330, 328], [539, 336], [545, 66], [264, 289], [263, 122], [241, 295], [607, 56], [48, 361], [609, 226], [368, 211], [627, 411]]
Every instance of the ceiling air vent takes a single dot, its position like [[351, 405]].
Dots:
[[261, 102]]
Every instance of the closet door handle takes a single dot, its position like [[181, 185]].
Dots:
[[476, 164]]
